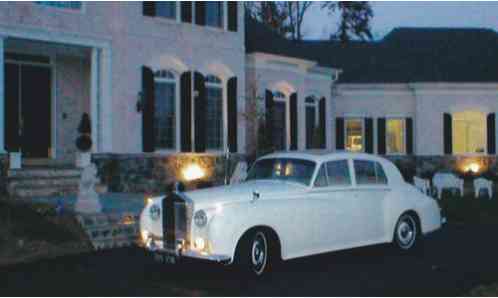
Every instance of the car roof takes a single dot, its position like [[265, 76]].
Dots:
[[321, 155]]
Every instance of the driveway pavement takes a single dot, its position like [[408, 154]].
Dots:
[[454, 260]]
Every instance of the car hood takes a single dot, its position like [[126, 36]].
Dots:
[[244, 191]]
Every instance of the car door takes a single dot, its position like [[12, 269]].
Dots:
[[333, 204], [370, 190]]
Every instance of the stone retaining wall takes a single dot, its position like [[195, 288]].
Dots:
[[154, 173]]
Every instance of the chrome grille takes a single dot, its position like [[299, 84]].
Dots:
[[176, 217]]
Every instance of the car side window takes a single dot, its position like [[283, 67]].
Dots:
[[338, 173], [321, 177], [369, 173]]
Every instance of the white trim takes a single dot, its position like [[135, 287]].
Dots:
[[94, 96]]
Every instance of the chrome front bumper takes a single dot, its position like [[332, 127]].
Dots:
[[156, 247]]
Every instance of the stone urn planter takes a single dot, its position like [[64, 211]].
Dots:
[[15, 160], [84, 142]]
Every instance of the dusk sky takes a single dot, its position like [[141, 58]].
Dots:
[[388, 15]]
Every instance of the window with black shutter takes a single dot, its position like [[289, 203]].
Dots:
[[186, 111], [200, 107], [322, 126], [491, 126], [148, 109], [269, 103], [381, 136], [232, 114], [369, 135], [447, 133], [186, 11], [339, 133], [232, 15], [200, 13], [409, 135], [293, 121]]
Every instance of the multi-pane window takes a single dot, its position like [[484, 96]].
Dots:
[[76, 5], [165, 107], [214, 13], [354, 135], [279, 121], [469, 132], [214, 113], [395, 136], [369, 172], [166, 9], [312, 133]]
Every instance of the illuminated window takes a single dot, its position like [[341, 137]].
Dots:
[[214, 113], [354, 135], [165, 109], [469, 132], [395, 136]]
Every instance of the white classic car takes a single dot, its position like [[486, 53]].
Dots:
[[291, 205]]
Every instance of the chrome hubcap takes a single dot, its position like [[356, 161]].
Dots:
[[258, 253], [406, 232]]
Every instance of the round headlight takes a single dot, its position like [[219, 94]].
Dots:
[[200, 218], [155, 212]]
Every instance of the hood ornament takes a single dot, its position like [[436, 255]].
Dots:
[[255, 196]]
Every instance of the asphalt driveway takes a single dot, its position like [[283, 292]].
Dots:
[[454, 260]]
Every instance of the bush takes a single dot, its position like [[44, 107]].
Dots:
[[84, 143]]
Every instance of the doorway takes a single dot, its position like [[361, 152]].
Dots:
[[28, 104]]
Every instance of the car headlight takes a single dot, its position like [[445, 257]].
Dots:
[[155, 212], [200, 218]]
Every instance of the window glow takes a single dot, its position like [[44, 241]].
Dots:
[[193, 172], [395, 136], [469, 132], [354, 135]]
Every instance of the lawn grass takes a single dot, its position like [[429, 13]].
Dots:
[[28, 231], [485, 291], [470, 210]]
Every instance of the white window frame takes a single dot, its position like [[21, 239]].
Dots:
[[403, 151], [362, 120], [221, 85], [176, 81], [470, 154]]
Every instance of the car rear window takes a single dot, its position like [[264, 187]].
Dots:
[[369, 173]]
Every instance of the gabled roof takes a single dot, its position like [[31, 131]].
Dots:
[[404, 55]]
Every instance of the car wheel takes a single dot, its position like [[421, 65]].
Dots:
[[406, 233], [254, 254]]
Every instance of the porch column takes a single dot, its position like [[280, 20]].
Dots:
[[94, 98], [105, 111], [2, 96]]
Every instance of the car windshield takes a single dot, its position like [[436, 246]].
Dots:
[[286, 169]]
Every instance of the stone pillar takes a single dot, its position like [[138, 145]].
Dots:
[[95, 98], [2, 96]]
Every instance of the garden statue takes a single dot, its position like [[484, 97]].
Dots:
[[88, 199]]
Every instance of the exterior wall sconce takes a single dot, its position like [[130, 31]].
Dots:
[[139, 105]]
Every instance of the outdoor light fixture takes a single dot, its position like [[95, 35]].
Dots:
[[193, 172], [473, 167]]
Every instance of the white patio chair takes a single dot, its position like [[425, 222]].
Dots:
[[240, 173], [447, 181], [422, 184], [483, 184]]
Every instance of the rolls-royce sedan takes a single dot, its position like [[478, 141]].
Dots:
[[292, 204]]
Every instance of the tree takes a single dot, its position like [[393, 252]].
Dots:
[[355, 19], [286, 17]]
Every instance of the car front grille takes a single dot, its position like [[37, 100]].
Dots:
[[176, 221]]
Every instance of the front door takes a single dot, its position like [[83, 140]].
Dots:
[[27, 109]]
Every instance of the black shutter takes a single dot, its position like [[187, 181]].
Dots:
[[491, 133], [447, 134], [369, 135], [381, 136], [186, 111], [186, 11], [232, 114], [269, 115], [339, 133], [232, 15], [200, 113], [200, 13], [293, 121], [322, 112], [409, 135], [148, 109], [149, 8]]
